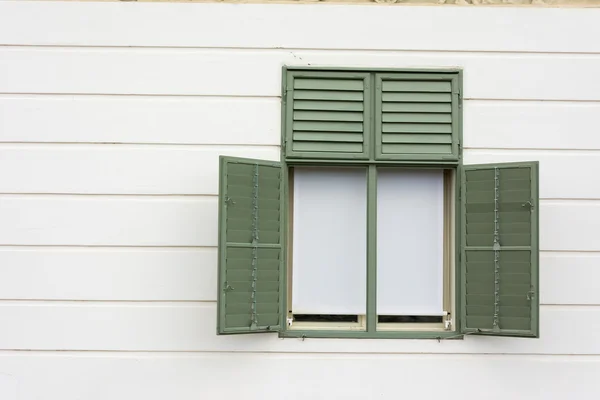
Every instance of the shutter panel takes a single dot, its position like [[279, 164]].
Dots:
[[250, 246], [417, 116], [327, 114], [499, 255]]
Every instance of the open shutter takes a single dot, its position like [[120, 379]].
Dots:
[[417, 116], [499, 255], [250, 249], [327, 114]]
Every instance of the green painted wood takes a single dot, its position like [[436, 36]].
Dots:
[[416, 86], [328, 84], [327, 126], [322, 108], [328, 137], [500, 249], [250, 246], [417, 97], [328, 116], [327, 147], [418, 117], [372, 249], [417, 107], [417, 128], [328, 105], [327, 95], [410, 148], [426, 138], [411, 106]]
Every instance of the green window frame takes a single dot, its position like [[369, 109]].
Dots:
[[377, 118]]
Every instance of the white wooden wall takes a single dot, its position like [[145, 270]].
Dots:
[[112, 118]]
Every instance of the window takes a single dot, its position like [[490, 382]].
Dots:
[[371, 226]]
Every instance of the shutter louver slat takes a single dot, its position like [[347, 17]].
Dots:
[[500, 250], [250, 249], [327, 116], [415, 117]]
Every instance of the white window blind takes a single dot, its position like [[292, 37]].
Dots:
[[329, 241], [410, 239]]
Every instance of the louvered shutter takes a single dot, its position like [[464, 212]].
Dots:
[[499, 258], [417, 116], [250, 250], [327, 114]]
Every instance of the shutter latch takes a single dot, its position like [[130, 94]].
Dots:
[[448, 322]]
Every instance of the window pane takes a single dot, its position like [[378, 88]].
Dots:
[[329, 241], [410, 240]]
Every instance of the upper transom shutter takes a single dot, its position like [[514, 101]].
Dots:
[[250, 249], [499, 257], [416, 116], [327, 114]]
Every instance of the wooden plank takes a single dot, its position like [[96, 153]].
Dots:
[[218, 25], [118, 119], [416, 128], [139, 119], [118, 169], [415, 86], [327, 116], [191, 221], [162, 71], [535, 125], [569, 278], [130, 169], [416, 117], [561, 172], [191, 327], [163, 274], [580, 219], [329, 84], [108, 220], [134, 274], [154, 377]]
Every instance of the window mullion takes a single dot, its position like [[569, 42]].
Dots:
[[372, 248]]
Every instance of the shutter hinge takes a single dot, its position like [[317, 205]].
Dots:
[[290, 321], [531, 294], [459, 99], [528, 204]]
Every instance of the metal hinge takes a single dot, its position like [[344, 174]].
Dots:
[[528, 204], [290, 321]]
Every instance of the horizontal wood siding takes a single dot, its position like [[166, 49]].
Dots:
[[152, 376], [109, 148]]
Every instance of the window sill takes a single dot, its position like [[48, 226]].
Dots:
[[331, 334]]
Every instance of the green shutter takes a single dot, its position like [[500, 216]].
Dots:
[[417, 116], [250, 246], [499, 255], [327, 114]]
